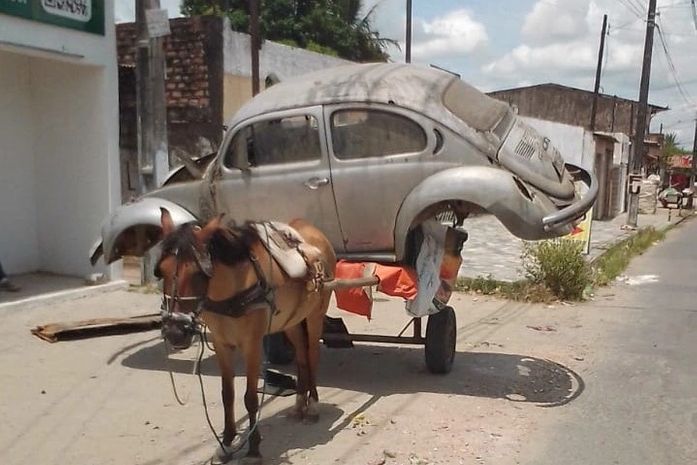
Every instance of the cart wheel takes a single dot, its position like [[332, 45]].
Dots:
[[441, 333], [278, 349]]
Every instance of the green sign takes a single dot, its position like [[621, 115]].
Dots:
[[83, 15]]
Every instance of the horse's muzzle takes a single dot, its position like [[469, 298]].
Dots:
[[178, 329]]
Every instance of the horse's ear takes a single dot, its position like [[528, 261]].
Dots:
[[166, 222], [204, 234]]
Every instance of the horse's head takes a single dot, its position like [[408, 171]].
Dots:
[[185, 267]]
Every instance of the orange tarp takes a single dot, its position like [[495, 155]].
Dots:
[[394, 280]]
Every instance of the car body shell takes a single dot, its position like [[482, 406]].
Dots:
[[473, 153]]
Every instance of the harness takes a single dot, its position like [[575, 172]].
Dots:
[[236, 306]]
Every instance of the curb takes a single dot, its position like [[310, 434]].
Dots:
[[62, 296], [664, 228]]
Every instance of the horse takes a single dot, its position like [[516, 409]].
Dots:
[[226, 273]]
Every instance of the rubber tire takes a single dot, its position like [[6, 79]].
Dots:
[[278, 349], [441, 336]]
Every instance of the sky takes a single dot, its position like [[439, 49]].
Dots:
[[501, 44]]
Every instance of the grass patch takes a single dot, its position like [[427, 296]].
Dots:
[[615, 260], [559, 265], [519, 291], [557, 271]]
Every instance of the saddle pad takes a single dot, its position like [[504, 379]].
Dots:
[[282, 242]]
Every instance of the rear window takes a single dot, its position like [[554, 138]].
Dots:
[[374, 133], [478, 110]]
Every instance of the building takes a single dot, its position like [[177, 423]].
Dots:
[[208, 79], [59, 159], [565, 115], [572, 106]]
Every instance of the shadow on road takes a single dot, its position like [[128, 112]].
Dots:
[[385, 370]]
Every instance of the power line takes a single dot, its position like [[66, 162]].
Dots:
[[639, 5], [671, 65], [629, 23], [632, 8]]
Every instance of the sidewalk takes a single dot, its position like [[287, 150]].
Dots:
[[492, 250]]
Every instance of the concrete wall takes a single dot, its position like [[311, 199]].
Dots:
[[61, 132], [18, 237], [69, 162], [279, 60], [573, 106], [570, 140]]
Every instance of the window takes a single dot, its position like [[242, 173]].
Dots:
[[373, 133], [276, 141]]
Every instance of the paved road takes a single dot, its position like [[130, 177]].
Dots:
[[640, 404], [607, 382]]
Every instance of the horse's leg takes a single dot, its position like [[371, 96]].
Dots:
[[225, 355], [315, 325], [252, 353], [298, 338]]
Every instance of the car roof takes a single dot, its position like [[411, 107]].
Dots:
[[410, 86]]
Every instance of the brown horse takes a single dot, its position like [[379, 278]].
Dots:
[[243, 294]]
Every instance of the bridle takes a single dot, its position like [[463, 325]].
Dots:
[[187, 322]]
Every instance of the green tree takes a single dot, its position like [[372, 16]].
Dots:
[[334, 27], [671, 148]]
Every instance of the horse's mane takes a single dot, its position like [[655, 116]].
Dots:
[[231, 244], [182, 242]]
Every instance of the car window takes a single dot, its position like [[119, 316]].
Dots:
[[374, 133], [275, 141], [479, 111]]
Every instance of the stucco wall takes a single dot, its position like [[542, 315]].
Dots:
[[18, 238], [568, 139], [280, 60], [64, 139]]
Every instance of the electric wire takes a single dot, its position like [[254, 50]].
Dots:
[[671, 65]]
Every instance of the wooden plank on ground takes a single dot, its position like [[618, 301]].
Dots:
[[54, 332]]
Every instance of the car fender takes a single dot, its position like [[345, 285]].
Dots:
[[517, 205], [133, 228]]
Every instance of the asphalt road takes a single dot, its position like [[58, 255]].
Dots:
[[612, 381], [640, 401]]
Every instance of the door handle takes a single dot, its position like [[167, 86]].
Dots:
[[315, 182]]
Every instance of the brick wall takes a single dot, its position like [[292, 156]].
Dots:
[[193, 89]]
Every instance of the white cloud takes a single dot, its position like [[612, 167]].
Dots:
[[124, 10], [455, 33], [559, 21]]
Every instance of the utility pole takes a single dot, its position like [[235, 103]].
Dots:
[[598, 71], [153, 153], [638, 143], [254, 43], [694, 160], [407, 54]]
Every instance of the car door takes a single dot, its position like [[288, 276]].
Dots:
[[276, 167], [378, 154]]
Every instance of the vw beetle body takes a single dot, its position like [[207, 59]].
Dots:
[[367, 152]]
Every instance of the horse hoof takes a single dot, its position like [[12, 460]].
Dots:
[[221, 456], [312, 411], [251, 460]]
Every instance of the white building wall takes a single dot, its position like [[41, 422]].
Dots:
[[570, 140], [282, 60], [70, 96], [18, 238]]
